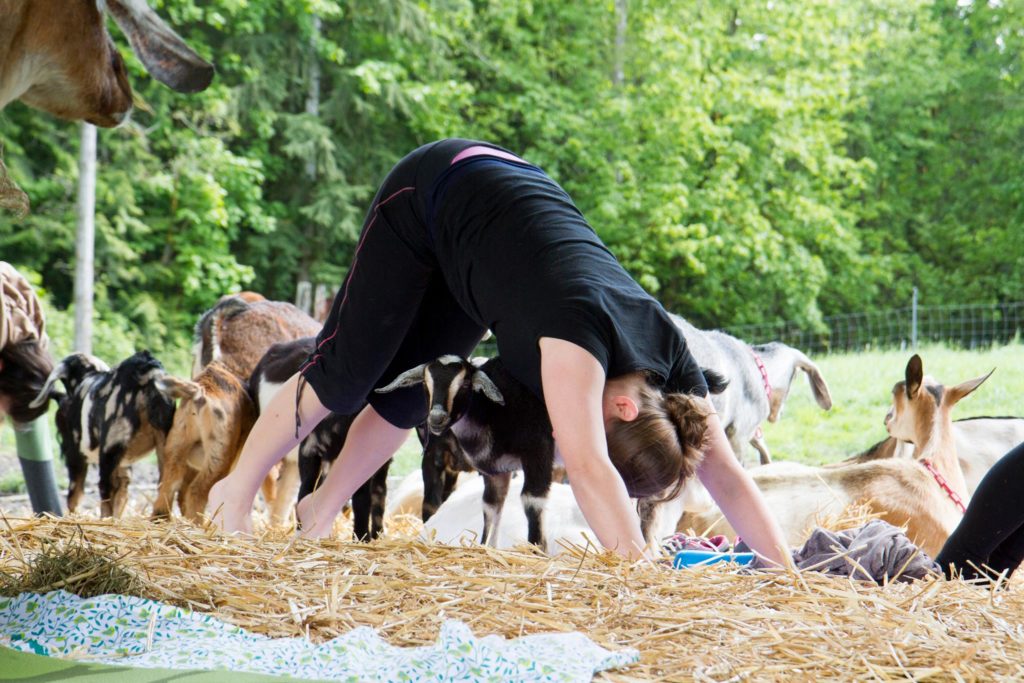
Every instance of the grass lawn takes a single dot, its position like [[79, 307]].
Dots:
[[861, 386]]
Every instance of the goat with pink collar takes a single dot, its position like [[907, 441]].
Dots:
[[759, 379], [927, 492]]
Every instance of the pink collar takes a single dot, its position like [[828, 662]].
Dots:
[[764, 375], [953, 495]]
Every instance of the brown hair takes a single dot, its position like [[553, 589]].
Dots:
[[25, 367], [664, 444]]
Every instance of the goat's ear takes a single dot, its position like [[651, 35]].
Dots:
[[483, 384], [952, 395], [716, 382], [162, 51], [409, 378], [58, 373], [173, 387], [914, 376]]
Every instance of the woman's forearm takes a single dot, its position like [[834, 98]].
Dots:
[[739, 498], [573, 381], [606, 506]]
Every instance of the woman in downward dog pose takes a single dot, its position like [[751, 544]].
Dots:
[[464, 236]]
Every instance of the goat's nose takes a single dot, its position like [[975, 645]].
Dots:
[[437, 421]]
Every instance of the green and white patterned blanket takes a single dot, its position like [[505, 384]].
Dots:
[[128, 631]]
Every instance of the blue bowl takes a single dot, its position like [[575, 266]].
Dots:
[[700, 558]]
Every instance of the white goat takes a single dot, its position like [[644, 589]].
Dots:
[[459, 520], [759, 380], [903, 491]]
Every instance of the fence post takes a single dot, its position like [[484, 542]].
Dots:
[[913, 321], [304, 296]]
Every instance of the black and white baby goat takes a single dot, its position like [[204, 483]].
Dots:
[[110, 417], [321, 447], [442, 462], [317, 453], [501, 427]]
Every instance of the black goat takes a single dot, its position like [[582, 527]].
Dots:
[[321, 447], [505, 429], [112, 417], [317, 453], [442, 461]]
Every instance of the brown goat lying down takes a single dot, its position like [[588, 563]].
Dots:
[[902, 491], [210, 426]]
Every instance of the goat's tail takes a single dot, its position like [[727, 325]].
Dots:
[[206, 337], [783, 361], [818, 385]]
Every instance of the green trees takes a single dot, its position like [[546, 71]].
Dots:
[[943, 122], [756, 161]]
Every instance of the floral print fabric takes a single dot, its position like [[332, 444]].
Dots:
[[129, 631]]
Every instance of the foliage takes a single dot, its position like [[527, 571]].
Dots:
[[758, 161]]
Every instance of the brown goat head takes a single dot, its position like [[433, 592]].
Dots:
[[57, 56], [918, 401]]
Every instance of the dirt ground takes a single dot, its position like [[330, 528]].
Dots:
[[142, 489]]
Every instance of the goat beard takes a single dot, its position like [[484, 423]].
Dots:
[[12, 198]]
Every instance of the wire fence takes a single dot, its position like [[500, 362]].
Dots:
[[968, 326], [965, 326]]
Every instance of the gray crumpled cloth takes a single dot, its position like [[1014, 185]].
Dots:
[[877, 551]]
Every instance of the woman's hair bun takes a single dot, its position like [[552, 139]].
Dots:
[[689, 414]]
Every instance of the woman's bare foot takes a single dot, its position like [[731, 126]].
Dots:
[[225, 512], [313, 522]]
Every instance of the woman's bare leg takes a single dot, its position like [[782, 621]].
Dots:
[[369, 444], [230, 502]]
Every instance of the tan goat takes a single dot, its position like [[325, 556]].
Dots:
[[237, 332], [210, 426], [56, 55], [902, 491], [980, 442]]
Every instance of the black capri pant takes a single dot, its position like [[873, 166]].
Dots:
[[394, 310], [990, 539]]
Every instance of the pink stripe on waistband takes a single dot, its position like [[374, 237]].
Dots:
[[481, 150]]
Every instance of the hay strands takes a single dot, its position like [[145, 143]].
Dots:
[[708, 623]]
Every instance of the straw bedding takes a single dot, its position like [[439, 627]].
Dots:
[[705, 624]]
